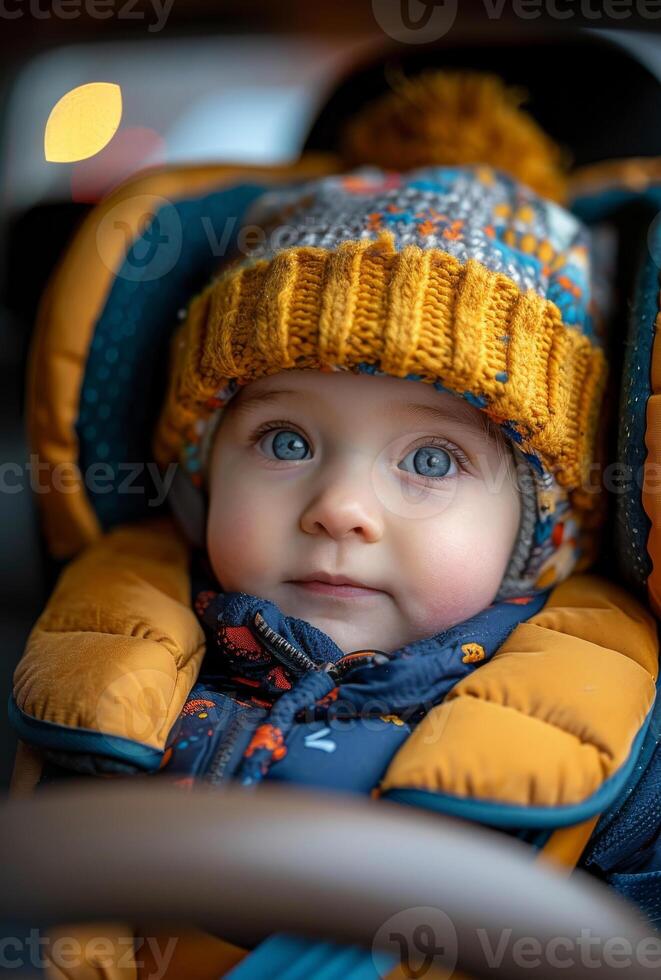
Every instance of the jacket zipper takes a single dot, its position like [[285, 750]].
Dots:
[[299, 663], [223, 754]]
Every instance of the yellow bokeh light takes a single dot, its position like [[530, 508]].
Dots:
[[82, 122]]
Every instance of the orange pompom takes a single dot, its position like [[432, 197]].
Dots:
[[454, 118]]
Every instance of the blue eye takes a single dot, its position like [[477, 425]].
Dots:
[[287, 444], [430, 461]]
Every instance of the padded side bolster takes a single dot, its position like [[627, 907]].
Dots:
[[552, 717], [118, 646], [604, 614]]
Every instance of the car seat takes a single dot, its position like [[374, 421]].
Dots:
[[151, 244]]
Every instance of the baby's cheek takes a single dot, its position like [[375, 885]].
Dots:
[[452, 591], [237, 540], [460, 563]]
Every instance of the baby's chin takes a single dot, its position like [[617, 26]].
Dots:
[[358, 630], [349, 627], [345, 635]]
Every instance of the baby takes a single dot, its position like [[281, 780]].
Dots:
[[389, 406]]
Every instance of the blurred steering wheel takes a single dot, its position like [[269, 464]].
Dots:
[[245, 864]]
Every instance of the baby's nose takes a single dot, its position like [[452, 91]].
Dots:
[[345, 503]]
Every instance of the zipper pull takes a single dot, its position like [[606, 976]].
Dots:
[[355, 659]]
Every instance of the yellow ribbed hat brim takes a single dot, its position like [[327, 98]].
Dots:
[[409, 312]]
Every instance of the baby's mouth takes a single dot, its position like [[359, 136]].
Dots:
[[335, 586]]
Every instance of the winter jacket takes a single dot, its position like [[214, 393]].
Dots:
[[529, 731]]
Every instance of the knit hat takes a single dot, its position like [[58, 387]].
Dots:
[[459, 276]]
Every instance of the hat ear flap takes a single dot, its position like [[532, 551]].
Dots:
[[189, 507]]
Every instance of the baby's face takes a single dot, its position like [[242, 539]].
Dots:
[[388, 483]]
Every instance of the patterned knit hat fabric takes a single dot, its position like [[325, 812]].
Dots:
[[460, 277]]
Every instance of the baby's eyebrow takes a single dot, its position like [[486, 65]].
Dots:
[[459, 414], [247, 402]]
